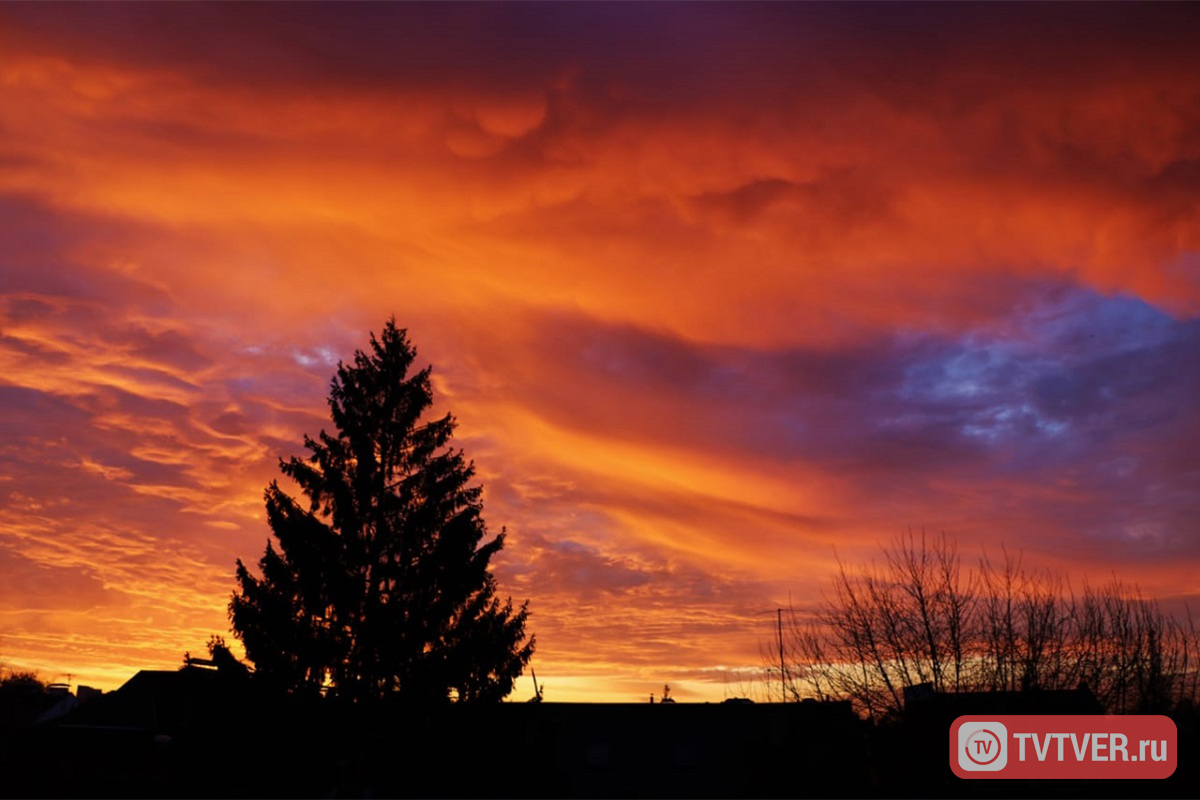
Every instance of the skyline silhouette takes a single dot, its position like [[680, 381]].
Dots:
[[213, 728]]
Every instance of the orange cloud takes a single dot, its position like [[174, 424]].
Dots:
[[717, 296]]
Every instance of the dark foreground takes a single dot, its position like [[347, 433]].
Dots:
[[188, 734]]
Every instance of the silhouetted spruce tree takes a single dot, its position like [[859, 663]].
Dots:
[[380, 586]]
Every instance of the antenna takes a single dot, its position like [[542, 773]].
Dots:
[[537, 690], [782, 673]]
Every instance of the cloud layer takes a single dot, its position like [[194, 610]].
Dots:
[[718, 293]]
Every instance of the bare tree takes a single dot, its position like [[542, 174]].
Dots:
[[920, 618]]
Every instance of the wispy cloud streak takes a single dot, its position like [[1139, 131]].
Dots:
[[719, 293]]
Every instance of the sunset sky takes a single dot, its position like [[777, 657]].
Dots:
[[718, 293]]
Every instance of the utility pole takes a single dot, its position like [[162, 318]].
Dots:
[[782, 673]]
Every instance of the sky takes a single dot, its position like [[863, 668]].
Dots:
[[719, 295]]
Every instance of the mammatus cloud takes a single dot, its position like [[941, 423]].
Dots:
[[719, 294]]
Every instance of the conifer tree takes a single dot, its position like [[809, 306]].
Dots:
[[380, 585]]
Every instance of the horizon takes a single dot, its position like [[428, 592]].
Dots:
[[721, 296]]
